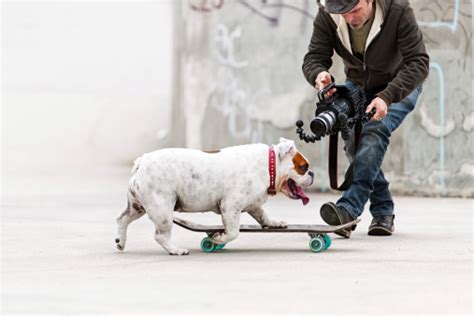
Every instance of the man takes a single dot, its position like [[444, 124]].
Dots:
[[383, 51]]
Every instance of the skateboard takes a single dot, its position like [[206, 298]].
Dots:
[[320, 240]]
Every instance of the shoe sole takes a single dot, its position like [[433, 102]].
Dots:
[[380, 231], [344, 233], [329, 215]]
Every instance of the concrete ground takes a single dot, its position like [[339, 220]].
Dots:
[[58, 256]]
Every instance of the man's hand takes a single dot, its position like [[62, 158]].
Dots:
[[322, 80], [380, 107]]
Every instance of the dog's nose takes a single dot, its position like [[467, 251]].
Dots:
[[311, 174]]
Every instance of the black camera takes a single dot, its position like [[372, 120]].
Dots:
[[338, 113]]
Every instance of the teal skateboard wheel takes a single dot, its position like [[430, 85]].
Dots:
[[316, 244], [219, 247], [207, 245], [327, 241]]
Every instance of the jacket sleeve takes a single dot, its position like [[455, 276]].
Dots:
[[320, 50], [415, 60]]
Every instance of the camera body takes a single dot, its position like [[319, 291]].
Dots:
[[338, 113], [341, 112]]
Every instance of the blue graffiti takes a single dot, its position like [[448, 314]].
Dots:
[[323, 154], [440, 73], [452, 25]]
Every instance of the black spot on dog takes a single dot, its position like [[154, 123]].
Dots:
[[151, 186], [117, 240], [195, 176], [138, 208]]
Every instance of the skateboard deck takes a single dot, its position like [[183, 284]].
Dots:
[[292, 228], [320, 239]]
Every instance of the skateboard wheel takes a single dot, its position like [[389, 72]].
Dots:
[[327, 241], [207, 245], [219, 247], [316, 244]]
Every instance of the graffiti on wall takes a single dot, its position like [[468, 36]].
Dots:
[[260, 8], [229, 95], [435, 17], [446, 25]]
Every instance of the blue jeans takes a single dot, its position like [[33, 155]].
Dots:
[[369, 181]]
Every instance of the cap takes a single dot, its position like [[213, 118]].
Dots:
[[340, 6]]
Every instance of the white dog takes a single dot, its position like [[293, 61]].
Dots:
[[234, 180]]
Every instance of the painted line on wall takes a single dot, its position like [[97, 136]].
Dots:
[[451, 25], [440, 73], [323, 165]]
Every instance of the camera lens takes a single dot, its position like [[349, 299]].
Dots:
[[323, 123], [318, 127]]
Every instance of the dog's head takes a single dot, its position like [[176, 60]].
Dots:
[[294, 172]]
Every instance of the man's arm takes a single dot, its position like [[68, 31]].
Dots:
[[320, 50], [416, 60]]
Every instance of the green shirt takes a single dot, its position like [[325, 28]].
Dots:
[[359, 38]]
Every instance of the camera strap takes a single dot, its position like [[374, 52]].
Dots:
[[349, 176]]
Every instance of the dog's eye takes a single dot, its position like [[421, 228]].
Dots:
[[304, 168]]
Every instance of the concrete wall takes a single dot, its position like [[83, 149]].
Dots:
[[240, 81], [89, 84], [85, 85]]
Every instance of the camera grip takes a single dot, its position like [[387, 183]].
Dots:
[[324, 90], [368, 116]]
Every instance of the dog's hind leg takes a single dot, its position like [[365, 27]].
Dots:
[[131, 213], [161, 214]]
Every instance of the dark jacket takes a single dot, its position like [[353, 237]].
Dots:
[[395, 60]]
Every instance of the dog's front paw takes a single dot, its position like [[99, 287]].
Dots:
[[276, 224], [179, 252]]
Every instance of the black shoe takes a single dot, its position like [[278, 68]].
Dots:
[[382, 225], [334, 215]]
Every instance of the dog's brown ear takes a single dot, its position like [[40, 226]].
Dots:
[[286, 148]]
